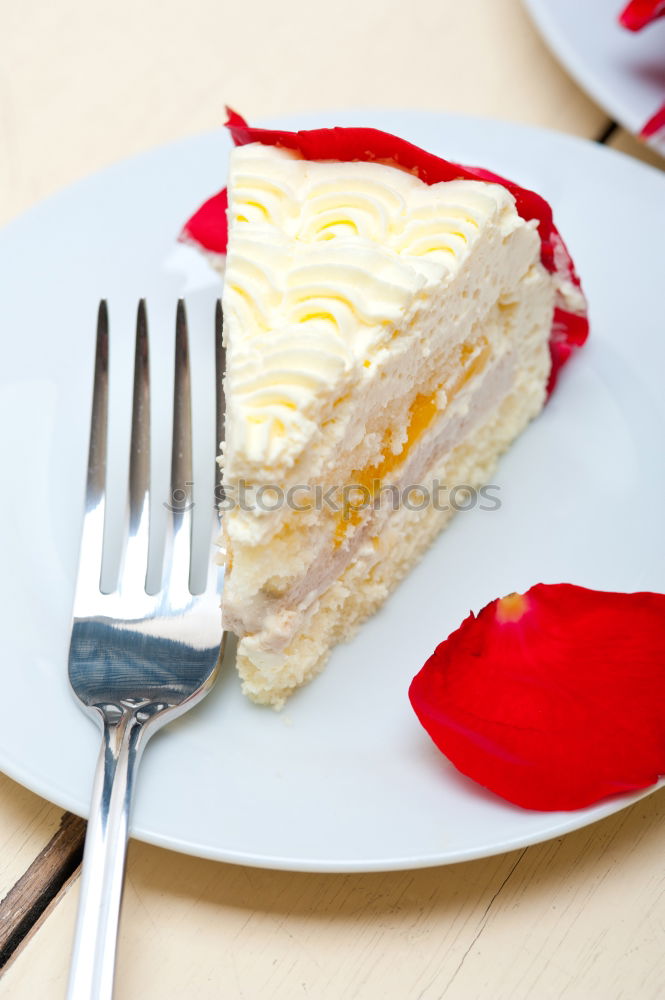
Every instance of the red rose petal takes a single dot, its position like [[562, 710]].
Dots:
[[638, 13], [553, 699], [655, 124], [569, 329], [208, 227]]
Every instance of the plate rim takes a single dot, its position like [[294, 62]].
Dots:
[[578, 819]]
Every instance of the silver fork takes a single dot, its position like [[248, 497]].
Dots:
[[136, 660]]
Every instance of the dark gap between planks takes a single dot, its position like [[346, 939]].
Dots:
[[40, 884], [607, 133]]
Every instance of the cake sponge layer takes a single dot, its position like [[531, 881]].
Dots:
[[270, 677]]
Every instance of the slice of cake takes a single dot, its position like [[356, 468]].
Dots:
[[392, 322]]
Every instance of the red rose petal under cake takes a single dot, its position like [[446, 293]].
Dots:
[[553, 699], [208, 228]]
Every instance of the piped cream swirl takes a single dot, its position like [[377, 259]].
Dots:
[[325, 261]]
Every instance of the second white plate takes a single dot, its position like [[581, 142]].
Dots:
[[623, 71]]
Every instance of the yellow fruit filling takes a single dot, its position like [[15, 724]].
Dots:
[[473, 357]]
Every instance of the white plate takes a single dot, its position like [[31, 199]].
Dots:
[[624, 71], [344, 779]]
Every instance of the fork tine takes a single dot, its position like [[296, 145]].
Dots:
[[92, 535], [178, 554], [214, 575], [135, 566], [99, 421], [220, 366]]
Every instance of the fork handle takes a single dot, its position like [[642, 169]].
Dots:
[[93, 959]]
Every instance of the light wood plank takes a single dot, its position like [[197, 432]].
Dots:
[[626, 143], [579, 917], [84, 84]]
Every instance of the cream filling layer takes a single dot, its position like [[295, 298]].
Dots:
[[270, 676], [274, 621]]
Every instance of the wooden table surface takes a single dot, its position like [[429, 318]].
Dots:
[[83, 84]]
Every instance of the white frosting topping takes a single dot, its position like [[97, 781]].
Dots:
[[325, 262]]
